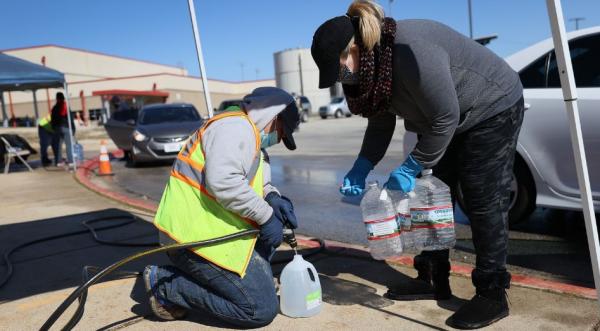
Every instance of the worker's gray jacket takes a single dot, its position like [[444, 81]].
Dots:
[[443, 83], [230, 145]]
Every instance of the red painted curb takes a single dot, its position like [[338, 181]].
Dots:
[[86, 171]]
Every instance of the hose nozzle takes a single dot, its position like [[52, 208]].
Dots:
[[290, 238]]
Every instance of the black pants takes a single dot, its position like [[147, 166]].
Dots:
[[481, 160]]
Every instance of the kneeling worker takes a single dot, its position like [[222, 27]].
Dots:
[[219, 185]]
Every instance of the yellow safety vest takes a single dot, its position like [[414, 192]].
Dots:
[[44, 122], [188, 212]]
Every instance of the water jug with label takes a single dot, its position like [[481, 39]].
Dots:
[[432, 215], [300, 290], [379, 217]]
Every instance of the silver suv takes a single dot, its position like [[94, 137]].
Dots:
[[336, 108]]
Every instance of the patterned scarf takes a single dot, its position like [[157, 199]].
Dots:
[[374, 90]]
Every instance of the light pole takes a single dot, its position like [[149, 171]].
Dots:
[[390, 7], [576, 20], [470, 21]]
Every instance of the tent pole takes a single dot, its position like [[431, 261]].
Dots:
[[70, 128], [200, 58], [4, 115], [567, 81], [35, 105]]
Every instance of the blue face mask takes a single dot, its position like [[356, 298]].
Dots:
[[268, 139]]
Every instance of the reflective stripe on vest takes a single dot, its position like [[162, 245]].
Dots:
[[188, 211]]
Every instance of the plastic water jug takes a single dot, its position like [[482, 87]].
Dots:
[[432, 217], [300, 291], [379, 217], [401, 204]]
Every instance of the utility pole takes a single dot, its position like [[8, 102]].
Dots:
[[390, 7], [576, 20], [470, 21], [242, 68], [257, 72], [300, 74]]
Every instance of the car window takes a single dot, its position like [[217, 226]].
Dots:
[[304, 100], [124, 115], [534, 75], [228, 103], [337, 100], [163, 115], [585, 56]]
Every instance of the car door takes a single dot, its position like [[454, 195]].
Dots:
[[546, 132], [120, 128]]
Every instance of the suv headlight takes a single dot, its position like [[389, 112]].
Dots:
[[138, 136]]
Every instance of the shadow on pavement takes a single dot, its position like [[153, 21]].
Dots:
[[57, 264]]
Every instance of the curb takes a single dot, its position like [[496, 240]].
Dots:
[[86, 170]]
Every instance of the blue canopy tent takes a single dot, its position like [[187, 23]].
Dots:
[[20, 75]]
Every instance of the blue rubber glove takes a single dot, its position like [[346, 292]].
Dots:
[[271, 233], [354, 181], [403, 177], [283, 207]]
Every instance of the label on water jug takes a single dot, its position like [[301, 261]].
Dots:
[[382, 229], [432, 217], [313, 299], [403, 222]]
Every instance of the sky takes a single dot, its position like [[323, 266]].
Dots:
[[239, 37]]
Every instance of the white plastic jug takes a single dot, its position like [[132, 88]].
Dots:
[[300, 291]]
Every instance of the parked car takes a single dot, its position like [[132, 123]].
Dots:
[[544, 172], [305, 108], [336, 108], [226, 104], [157, 133]]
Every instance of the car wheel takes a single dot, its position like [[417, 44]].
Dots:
[[522, 194], [304, 117], [349, 115], [132, 161], [338, 113], [324, 117]]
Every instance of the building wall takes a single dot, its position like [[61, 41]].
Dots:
[[87, 72]]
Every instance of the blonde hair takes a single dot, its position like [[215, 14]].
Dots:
[[371, 19]]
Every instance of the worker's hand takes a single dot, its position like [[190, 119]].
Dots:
[[283, 207], [271, 233], [354, 181], [403, 177]]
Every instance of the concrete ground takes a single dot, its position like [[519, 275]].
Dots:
[[50, 202]]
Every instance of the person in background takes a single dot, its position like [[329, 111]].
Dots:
[[60, 125], [46, 135], [221, 184], [465, 104]]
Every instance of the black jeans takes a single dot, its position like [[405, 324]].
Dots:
[[481, 161]]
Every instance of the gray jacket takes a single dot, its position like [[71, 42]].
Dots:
[[443, 83], [229, 145]]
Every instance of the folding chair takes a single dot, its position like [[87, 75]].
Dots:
[[11, 153]]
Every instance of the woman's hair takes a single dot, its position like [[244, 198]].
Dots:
[[371, 18], [60, 96]]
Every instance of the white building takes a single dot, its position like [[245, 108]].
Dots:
[[91, 76]]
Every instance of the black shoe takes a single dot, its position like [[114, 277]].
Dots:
[[415, 289], [485, 308]]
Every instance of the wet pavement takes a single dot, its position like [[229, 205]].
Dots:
[[551, 244]]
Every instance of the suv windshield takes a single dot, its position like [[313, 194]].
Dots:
[[229, 103], [162, 115], [337, 100]]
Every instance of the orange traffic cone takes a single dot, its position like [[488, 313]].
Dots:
[[105, 168]]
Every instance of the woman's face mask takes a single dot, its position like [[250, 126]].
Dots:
[[268, 139], [348, 77]]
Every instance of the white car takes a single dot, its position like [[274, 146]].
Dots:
[[336, 108], [544, 173]]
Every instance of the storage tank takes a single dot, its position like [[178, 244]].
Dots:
[[296, 72]]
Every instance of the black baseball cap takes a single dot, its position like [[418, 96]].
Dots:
[[290, 119], [330, 39]]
